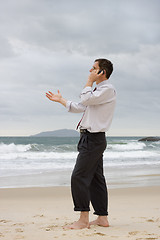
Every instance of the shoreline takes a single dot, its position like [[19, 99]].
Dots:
[[111, 186], [40, 213], [115, 177]]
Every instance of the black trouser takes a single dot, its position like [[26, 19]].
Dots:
[[87, 181]]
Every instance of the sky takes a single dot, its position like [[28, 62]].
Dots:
[[50, 45]]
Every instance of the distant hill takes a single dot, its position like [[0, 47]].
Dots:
[[58, 133]]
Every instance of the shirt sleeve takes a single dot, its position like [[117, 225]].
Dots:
[[100, 96], [75, 107]]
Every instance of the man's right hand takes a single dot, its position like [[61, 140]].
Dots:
[[56, 97]]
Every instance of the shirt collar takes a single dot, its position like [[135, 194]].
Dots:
[[102, 83]]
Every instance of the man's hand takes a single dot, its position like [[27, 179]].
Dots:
[[93, 77], [56, 97]]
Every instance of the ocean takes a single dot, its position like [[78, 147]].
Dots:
[[48, 161]]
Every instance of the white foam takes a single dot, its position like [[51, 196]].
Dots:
[[13, 152], [25, 158], [12, 148], [128, 146], [38, 155], [130, 154]]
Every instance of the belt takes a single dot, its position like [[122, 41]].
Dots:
[[84, 131]]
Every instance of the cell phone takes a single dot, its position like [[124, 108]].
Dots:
[[100, 71]]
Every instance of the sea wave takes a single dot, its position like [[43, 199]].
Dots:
[[19, 148], [13, 148], [40, 151], [73, 155], [42, 157], [25, 161], [128, 146], [60, 163], [34, 147]]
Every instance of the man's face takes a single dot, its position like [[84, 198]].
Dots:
[[95, 67]]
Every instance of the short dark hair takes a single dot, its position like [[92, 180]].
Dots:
[[106, 65]]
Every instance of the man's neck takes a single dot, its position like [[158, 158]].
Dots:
[[99, 81]]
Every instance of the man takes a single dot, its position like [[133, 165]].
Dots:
[[87, 181]]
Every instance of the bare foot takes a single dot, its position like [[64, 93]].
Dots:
[[77, 225], [100, 221]]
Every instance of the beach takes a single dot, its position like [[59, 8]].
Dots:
[[41, 213], [35, 198]]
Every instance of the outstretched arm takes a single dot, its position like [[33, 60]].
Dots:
[[56, 98]]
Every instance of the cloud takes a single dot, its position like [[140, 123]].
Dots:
[[5, 49], [49, 45], [90, 28]]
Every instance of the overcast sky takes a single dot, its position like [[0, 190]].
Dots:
[[49, 45]]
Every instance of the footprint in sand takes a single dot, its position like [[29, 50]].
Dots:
[[4, 221], [52, 227], [150, 220], [151, 238], [18, 224], [19, 237], [146, 238], [1, 234], [48, 229], [133, 233], [38, 215], [19, 230], [100, 234]]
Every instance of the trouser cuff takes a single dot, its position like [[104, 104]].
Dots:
[[82, 209], [101, 213]]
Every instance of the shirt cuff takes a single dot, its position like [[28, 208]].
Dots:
[[68, 105]]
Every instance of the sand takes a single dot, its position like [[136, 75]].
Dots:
[[41, 213]]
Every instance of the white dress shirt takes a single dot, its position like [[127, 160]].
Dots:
[[98, 107]]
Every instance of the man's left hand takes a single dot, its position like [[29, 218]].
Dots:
[[93, 77]]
